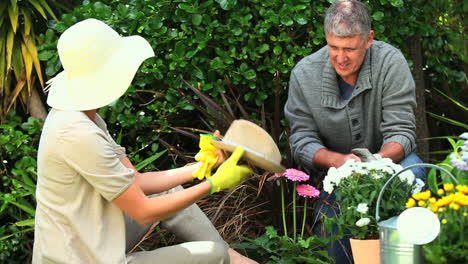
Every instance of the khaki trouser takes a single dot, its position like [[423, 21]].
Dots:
[[204, 244]]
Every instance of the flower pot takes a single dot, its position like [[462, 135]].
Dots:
[[365, 251]]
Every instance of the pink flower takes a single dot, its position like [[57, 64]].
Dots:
[[306, 190], [296, 175], [275, 176]]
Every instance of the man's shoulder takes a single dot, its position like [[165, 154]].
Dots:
[[314, 60], [383, 48]]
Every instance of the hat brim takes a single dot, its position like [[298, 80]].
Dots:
[[252, 156], [101, 86]]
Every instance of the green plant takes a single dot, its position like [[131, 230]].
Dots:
[[289, 248], [18, 150], [18, 51], [450, 203], [455, 162], [357, 186], [282, 249]]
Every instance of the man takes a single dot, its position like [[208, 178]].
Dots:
[[353, 93], [85, 181]]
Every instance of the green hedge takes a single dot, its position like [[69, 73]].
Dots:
[[247, 47]]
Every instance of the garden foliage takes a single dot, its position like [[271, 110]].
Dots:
[[18, 151], [237, 53]]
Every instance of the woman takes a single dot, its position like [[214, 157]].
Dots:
[[86, 184]]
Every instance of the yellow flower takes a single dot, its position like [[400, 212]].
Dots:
[[445, 200], [422, 203], [434, 208], [448, 187], [462, 188], [440, 192], [461, 199], [411, 202], [422, 196], [433, 200], [444, 221], [455, 206]]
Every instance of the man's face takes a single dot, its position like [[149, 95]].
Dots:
[[347, 54]]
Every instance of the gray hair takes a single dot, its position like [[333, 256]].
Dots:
[[347, 18]]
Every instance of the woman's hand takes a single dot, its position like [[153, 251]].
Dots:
[[209, 156]]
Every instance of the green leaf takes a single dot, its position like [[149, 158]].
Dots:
[[187, 8], [237, 31], [198, 73], [46, 55], [102, 10], [197, 19], [38, 8], [28, 209], [448, 120], [277, 50], [179, 50], [149, 160], [28, 222], [287, 21], [155, 23], [217, 63], [227, 4], [378, 15], [396, 3], [263, 48], [432, 180], [301, 19], [250, 74]]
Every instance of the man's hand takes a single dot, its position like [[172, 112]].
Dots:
[[364, 154], [229, 174], [324, 159]]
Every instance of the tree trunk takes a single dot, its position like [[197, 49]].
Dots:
[[35, 106], [422, 130]]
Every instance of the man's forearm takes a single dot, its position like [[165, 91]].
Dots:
[[392, 150]]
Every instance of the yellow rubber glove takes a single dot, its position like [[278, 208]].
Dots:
[[229, 174], [206, 155]]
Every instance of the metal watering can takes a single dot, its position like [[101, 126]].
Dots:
[[394, 248]]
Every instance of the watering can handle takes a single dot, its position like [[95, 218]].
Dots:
[[377, 217]]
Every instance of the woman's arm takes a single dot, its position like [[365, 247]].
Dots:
[[159, 181], [146, 210]]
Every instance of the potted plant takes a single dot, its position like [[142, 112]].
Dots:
[[449, 200], [356, 186]]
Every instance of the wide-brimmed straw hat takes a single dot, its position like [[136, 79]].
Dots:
[[260, 148], [98, 63]]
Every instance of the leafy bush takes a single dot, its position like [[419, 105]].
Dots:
[[239, 54], [18, 150]]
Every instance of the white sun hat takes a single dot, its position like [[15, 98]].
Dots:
[[98, 63], [260, 149]]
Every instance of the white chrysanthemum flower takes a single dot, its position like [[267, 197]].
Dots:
[[362, 208], [407, 176], [397, 167], [363, 222], [327, 186], [331, 174], [418, 185], [361, 171]]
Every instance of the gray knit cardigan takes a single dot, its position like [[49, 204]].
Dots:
[[381, 109]]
